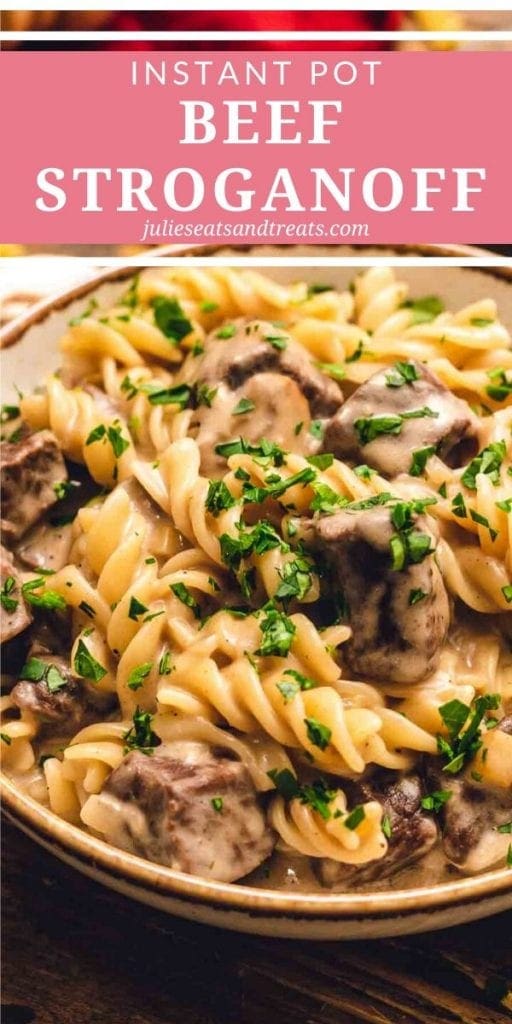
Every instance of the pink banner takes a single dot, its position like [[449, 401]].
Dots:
[[255, 147]]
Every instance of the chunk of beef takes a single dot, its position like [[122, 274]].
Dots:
[[45, 546], [452, 429], [412, 832], [30, 468], [471, 818], [260, 347], [15, 615], [202, 818], [396, 631], [60, 701]]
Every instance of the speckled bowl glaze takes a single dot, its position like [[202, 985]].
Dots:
[[30, 352]]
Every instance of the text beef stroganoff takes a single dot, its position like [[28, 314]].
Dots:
[[257, 580]]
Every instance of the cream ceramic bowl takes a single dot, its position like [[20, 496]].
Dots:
[[30, 353]]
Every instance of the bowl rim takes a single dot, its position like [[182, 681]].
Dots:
[[156, 878], [44, 824]]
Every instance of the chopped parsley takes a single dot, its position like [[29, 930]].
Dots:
[[295, 580], [480, 321], [140, 735], [164, 665], [420, 457], [356, 354], [289, 688], [364, 472], [507, 592], [505, 505], [463, 724], [402, 373], [50, 600], [501, 386], [262, 537], [317, 429], [136, 608], [226, 332], [138, 675], [9, 604], [217, 803], [334, 370], [318, 733], [386, 826], [277, 631], [483, 521], [171, 319], [9, 412], [459, 506], [417, 595], [355, 818], [87, 666], [487, 461], [183, 594], [318, 289], [317, 795], [204, 395], [37, 671], [425, 309], [63, 488], [277, 341], [436, 800], [408, 546], [321, 461], [326, 500], [219, 497], [276, 486], [113, 434], [505, 829], [6, 738], [178, 395], [209, 307], [266, 451], [244, 406], [87, 609]]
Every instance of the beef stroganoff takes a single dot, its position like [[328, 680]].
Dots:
[[257, 580]]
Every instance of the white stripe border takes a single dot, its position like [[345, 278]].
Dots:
[[284, 37]]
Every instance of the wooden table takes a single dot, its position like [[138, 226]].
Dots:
[[74, 953]]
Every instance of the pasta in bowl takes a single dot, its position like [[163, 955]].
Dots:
[[257, 581]]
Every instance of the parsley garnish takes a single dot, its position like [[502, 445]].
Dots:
[[244, 406], [9, 604], [317, 429], [87, 666], [9, 412], [318, 289], [136, 608], [483, 521], [50, 600], [501, 387], [417, 595], [318, 733], [204, 395], [219, 497], [425, 309], [37, 671], [436, 800], [356, 355], [402, 373], [355, 818], [278, 632], [487, 461], [140, 735], [386, 826], [171, 319], [334, 370], [228, 331], [463, 725], [138, 675], [364, 472], [266, 451], [507, 593], [183, 594], [217, 803], [164, 665], [295, 580], [261, 538], [317, 795], [277, 341], [420, 457], [92, 305]]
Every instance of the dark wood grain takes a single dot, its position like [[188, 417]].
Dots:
[[74, 953]]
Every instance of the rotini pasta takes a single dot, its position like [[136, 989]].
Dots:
[[282, 618]]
